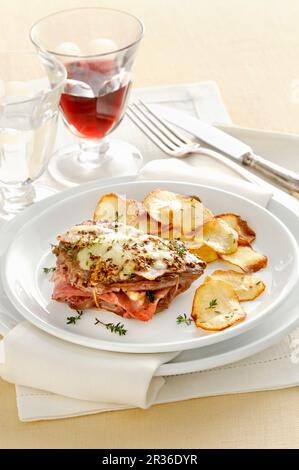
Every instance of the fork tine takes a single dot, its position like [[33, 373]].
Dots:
[[156, 128], [158, 123], [152, 135], [165, 124], [150, 129]]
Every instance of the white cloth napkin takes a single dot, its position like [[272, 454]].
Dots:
[[205, 170], [35, 358], [276, 367], [88, 381]]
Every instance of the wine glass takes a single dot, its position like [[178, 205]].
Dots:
[[30, 89], [97, 47]]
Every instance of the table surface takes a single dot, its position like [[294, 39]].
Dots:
[[251, 49]]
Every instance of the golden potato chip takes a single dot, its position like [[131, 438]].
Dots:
[[246, 234], [219, 236], [148, 225], [184, 214], [193, 235], [207, 214], [161, 205], [247, 259], [206, 253], [113, 207], [216, 306], [246, 286], [193, 244]]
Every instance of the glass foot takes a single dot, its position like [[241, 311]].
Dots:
[[70, 167], [13, 204]]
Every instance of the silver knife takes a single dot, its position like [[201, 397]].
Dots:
[[230, 146]]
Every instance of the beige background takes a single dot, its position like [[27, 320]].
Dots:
[[251, 48]]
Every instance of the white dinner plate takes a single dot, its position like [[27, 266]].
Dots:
[[263, 335], [29, 288]]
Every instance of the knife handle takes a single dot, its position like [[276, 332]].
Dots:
[[286, 178]]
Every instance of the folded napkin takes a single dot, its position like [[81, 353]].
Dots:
[[207, 171], [57, 379], [276, 367], [35, 358]]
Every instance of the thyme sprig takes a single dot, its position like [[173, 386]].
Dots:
[[180, 319], [213, 303], [49, 270], [73, 320], [118, 328]]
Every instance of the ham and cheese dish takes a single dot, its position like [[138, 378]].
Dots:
[[112, 266]]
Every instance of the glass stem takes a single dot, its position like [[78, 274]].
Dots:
[[17, 197], [92, 152]]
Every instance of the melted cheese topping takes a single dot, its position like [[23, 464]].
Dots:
[[125, 247]]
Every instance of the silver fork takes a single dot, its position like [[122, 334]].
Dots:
[[173, 142]]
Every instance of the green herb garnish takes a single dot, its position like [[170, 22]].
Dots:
[[118, 328], [178, 247], [229, 315], [73, 320], [48, 270], [213, 303], [68, 246], [117, 216], [184, 319]]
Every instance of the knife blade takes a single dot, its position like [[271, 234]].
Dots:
[[230, 146], [205, 132]]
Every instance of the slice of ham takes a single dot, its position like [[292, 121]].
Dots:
[[117, 301], [63, 290], [134, 308]]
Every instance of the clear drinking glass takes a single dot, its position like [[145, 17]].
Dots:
[[97, 47], [30, 89]]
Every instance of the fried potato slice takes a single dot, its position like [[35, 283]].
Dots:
[[114, 207], [193, 244], [219, 236], [195, 230], [161, 205], [247, 259], [206, 253], [184, 214], [246, 286], [216, 306], [246, 234]]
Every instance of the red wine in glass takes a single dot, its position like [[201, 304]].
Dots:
[[94, 97]]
